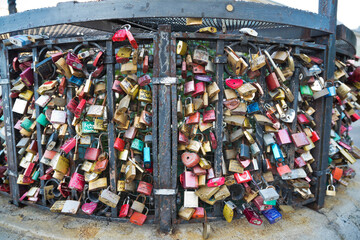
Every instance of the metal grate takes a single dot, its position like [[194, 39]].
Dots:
[[178, 24], [58, 31]]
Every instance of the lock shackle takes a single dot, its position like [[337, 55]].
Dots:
[[141, 195], [120, 132], [202, 137], [147, 211], [82, 45], [149, 177], [126, 200], [191, 101], [77, 168], [146, 107]]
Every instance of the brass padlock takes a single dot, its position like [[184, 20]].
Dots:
[[189, 107], [128, 68], [212, 89]]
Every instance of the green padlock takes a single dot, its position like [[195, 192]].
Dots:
[[36, 175], [45, 108], [272, 202], [26, 124], [306, 91], [137, 145], [41, 119], [88, 127]]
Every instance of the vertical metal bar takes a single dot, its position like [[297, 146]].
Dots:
[[155, 91], [174, 129], [219, 119], [219, 111], [110, 75], [259, 133], [38, 127], [164, 108], [329, 9], [294, 87], [9, 126]]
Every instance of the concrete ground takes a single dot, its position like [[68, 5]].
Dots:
[[339, 219]]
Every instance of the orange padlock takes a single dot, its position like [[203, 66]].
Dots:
[[337, 173]]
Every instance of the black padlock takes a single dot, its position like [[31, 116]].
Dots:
[[304, 75]]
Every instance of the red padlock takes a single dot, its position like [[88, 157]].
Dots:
[[354, 117], [183, 139], [62, 85], [77, 181], [282, 169], [98, 59], [193, 119], [139, 218], [119, 144], [314, 136], [68, 145], [145, 187], [131, 39], [302, 119], [252, 216], [144, 80], [259, 203], [29, 169], [232, 103], [199, 213], [234, 83], [146, 64], [214, 182], [80, 108], [272, 81], [91, 153], [198, 69], [209, 116], [116, 86], [199, 89], [190, 159], [119, 36], [189, 180], [101, 163], [243, 177], [213, 140], [124, 210], [337, 173]]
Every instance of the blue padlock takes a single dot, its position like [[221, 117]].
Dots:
[[272, 215], [147, 157], [75, 80], [342, 115], [277, 152], [253, 108], [332, 91]]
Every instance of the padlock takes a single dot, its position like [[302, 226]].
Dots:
[[146, 116], [282, 137], [198, 69], [80, 108], [186, 213], [244, 151], [109, 198], [243, 177], [282, 169], [181, 48], [272, 215], [124, 210], [259, 204], [137, 145], [77, 181], [189, 87], [200, 56], [212, 89], [252, 216], [237, 64], [209, 116], [138, 206], [189, 107], [91, 153]]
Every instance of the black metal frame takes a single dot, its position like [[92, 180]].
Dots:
[[268, 20]]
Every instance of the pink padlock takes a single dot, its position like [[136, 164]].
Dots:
[[283, 137], [77, 181], [214, 182], [27, 77], [189, 180], [89, 208]]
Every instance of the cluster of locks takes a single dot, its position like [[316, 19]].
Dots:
[[249, 166], [70, 109], [342, 152]]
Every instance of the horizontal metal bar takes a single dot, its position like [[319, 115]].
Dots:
[[164, 80], [165, 191], [112, 9], [4, 81], [238, 37]]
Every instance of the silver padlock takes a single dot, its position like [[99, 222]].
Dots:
[[268, 139], [289, 116], [255, 150]]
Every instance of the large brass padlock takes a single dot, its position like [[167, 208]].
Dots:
[[237, 64], [128, 68]]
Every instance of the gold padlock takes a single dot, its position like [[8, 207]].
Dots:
[[194, 145], [130, 172], [204, 164], [202, 180], [212, 89], [128, 68], [189, 107], [222, 193], [126, 85], [100, 183], [235, 166], [206, 192], [134, 92], [145, 96], [186, 213], [198, 103]]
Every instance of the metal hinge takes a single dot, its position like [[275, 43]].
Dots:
[[164, 80], [321, 173], [220, 59], [165, 191]]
